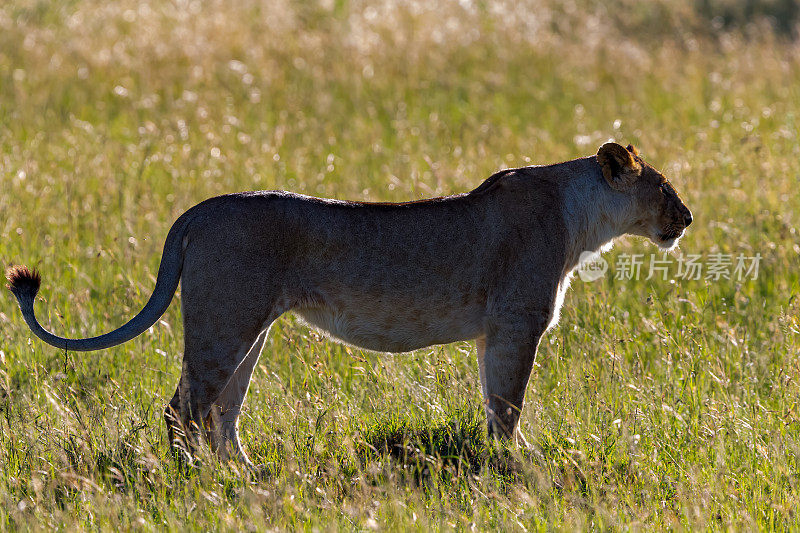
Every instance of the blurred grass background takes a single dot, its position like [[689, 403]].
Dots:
[[654, 403]]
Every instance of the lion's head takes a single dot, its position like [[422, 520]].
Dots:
[[662, 216]]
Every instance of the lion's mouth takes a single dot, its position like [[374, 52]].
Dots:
[[671, 232], [668, 238], [670, 235]]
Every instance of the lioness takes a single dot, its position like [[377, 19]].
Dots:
[[492, 265]]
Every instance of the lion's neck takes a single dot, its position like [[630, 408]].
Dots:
[[594, 215]]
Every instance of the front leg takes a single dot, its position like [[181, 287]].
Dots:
[[508, 357]]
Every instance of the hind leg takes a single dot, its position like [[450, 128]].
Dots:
[[222, 420], [227, 407], [204, 377], [231, 287], [219, 331]]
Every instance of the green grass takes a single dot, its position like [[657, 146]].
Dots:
[[654, 403]]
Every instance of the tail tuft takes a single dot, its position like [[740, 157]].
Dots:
[[24, 282]]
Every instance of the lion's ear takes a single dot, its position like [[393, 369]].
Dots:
[[632, 149], [620, 169]]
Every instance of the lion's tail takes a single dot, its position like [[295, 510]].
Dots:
[[24, 283]]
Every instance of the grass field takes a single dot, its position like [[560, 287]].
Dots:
[[654, 403]]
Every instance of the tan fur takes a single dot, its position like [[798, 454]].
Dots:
[[492, 265], [620, 167]]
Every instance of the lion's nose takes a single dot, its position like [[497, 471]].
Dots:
[[687, 218]]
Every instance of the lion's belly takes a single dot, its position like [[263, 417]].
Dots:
[[394, 330]]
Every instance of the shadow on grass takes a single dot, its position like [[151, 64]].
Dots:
[[455, 445], [458, 445]]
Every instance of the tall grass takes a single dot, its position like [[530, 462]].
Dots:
[[655, 403]]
